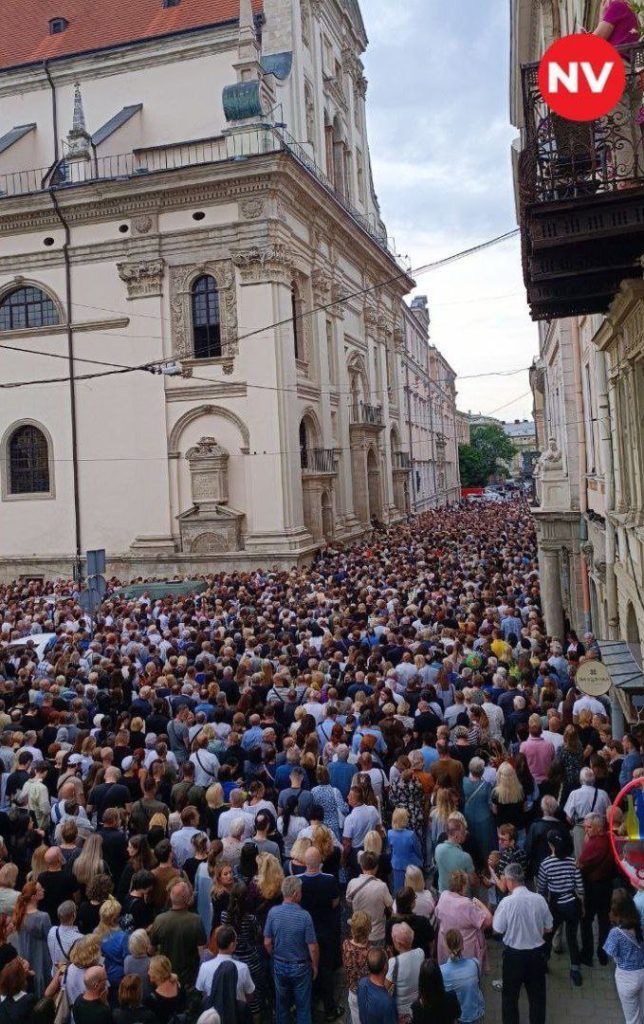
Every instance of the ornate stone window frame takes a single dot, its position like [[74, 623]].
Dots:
[[5, 484], [182, 279]]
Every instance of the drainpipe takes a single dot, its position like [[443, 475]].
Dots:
[[414, 496], [70, 336], [606, 444], [431, 443], [581, 458]]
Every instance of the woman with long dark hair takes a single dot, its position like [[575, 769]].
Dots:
[[434, 1005], [239, 915], [140, 858]]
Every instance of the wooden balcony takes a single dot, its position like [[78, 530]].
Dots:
[[581, 199]]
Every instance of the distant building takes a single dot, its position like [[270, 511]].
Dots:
[[462, 428], [523, 435], [431, 455]]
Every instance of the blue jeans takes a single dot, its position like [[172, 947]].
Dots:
[[293, 983]]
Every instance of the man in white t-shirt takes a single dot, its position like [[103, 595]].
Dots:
[[227, 941], [405, 966], [553, 732], [359, 821], [586, 703]]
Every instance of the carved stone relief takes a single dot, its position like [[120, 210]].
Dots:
[[181, 281], [144, 278], [144, 224], [251, 209], [271, 263]]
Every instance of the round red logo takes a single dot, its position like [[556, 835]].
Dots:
[[582, 77]]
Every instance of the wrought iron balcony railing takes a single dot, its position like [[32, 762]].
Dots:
[[563, 160], [401, 460], [318, 460], [243, 145], [362, 412]]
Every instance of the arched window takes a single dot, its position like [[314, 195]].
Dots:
[[27, 307], [28, 461], [206, 320]]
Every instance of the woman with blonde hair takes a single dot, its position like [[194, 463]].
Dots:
[[404, 845], [8, 892], [296, 864], [84, 953], [373, 843], [508, 799], [354, 958], [37, 863], [168, 997], [138, 959], [445, 803], [89, 862], [32, 928], [462, 975], [114, 941], [268, 882], [415, 880]]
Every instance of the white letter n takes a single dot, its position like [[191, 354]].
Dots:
[[569, 79]]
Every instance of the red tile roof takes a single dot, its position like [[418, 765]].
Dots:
[[99, 24]]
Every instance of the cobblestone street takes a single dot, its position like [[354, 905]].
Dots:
[[595, 1000]]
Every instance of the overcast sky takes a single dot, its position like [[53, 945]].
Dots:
[[440, 139]]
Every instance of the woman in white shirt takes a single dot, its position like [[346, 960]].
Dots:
[[404, 969]]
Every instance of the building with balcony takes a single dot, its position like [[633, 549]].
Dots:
[[428, 467], [579, 192], [188, 185]]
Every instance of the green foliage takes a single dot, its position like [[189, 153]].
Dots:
[[483, 458]]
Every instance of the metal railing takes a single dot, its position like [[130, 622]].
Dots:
[[362, 412], [564, 159], [237, 145], [401, 460], [318, 460]]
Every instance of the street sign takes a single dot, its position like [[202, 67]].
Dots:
[[96, 562], [593, 678]]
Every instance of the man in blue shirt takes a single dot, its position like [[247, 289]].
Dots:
[[375, 1005], [289, 938], [341, 772]]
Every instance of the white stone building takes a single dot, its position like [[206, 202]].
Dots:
[[523, 435], [430, 413], [189, 185], [588, 386]]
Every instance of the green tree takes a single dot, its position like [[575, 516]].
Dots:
[[485, 456], [472, 468]]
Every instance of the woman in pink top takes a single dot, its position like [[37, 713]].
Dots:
[[469, 916], [618, 23]]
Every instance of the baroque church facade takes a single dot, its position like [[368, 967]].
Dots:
[[201, 315]]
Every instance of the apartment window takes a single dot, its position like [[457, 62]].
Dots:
[[57, 25]]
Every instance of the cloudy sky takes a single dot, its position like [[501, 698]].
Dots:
[[440, 144]]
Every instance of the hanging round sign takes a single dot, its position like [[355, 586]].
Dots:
[[593, 678]]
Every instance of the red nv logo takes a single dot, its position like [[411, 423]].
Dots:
[[582, 77]]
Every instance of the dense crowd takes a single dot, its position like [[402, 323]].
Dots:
[[328, 789]]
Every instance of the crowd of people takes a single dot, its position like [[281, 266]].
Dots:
[[328, 789]]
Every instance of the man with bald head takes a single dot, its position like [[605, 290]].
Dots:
[[179, 934], [58, 885], [321, 897], [91, 1007]]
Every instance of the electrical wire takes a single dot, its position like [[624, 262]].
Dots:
[[145, 367]]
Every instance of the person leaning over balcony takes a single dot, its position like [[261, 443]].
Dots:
[[619, 25]]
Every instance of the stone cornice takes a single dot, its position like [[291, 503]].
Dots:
[[193, 187]]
